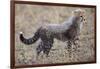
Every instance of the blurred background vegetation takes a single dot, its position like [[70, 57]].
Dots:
[[28, 18]]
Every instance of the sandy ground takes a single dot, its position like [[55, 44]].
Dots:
[[30, 17]]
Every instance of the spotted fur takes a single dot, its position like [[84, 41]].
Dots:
[[67, 31]]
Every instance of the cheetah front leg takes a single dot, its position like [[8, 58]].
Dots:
[[69, 47]]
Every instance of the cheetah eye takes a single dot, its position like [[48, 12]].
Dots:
[[81, 18]]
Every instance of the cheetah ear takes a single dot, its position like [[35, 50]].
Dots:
[[75, 13]]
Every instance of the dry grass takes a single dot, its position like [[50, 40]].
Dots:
[[29, 17]]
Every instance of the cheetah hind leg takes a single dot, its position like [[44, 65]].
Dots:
[[39, 49]]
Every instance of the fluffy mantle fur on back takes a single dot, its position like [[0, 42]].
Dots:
[[67, 31]]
